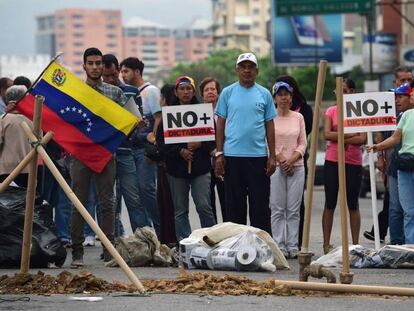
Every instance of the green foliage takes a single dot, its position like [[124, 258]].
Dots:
[[221, 65]]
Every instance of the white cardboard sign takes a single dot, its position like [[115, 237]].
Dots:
[[369, 112], [188, 123]]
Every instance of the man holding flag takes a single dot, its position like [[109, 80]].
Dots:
[[81, 174], [89, 123]]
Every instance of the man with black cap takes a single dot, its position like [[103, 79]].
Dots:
[[245, 133]]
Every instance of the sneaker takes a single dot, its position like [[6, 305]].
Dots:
[[293, 254], [106, 256], [89, 241], [77, 263], [66, 244], [370, 236], [327, 249], [285, 253]]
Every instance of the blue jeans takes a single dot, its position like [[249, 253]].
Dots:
[[396, 213], [127, 171], [200, 191], [54, 194], [147, 177], [405, 187]]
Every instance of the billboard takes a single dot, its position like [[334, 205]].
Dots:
[[303, 40], [384, 52]]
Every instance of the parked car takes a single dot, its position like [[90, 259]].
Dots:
[[319, 163]]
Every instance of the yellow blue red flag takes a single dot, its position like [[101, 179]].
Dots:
[[86, 123]]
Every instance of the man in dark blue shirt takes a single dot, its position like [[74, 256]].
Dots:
[[126, 163]]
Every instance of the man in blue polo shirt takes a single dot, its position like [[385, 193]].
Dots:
[[245, 140]]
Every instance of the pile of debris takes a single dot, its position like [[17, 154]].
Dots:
[[63, 283], [190, 283], [205, 283]]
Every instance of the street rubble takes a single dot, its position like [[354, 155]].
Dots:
[[199, 283], [191, 283]]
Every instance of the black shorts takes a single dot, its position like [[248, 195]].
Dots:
[[353, 175]]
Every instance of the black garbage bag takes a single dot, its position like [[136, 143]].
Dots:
[[46, 246]]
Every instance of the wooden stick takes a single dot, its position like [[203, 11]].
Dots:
[[189, 167], [85, 214], [341, 175], [26, 160], [323, 64], [31, 190], [347, 288]]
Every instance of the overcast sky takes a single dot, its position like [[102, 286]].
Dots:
[[18, 27]]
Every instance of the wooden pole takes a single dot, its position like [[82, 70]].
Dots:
[[341, 174], [26, 160], [347, 288], [31, 190], [312, 156], [85, 214]]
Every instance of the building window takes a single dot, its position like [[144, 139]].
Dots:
[[110, 26], [77, 16], [77, 53], [77, 43], [165, 33], [243, 27], [146, 51], [62, 45], [149, 44], [131, 32], [78, 63], [77, 25], [256, 24], [111, 45], [256, 11], [77, 35], [110, 17], [111, 35]]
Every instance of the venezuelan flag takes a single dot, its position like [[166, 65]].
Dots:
[[86, 123]]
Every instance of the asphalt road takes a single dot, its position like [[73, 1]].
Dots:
[[385, 277]]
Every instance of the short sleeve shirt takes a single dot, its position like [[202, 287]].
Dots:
[[246, 111], [353, 153], [406, 125]]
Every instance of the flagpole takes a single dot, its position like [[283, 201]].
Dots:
[[41, 74], [37, 79]]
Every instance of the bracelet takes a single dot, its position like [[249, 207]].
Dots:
[[218, 153]]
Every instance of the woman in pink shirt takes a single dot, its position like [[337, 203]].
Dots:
[[353, 172], [286, 188]]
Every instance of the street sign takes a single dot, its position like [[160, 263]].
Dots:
[[369, 112], [318, 7], [188, 123]]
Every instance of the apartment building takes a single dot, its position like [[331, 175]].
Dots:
[[153, 43], [194, 42], [242, 24], [78, 29]]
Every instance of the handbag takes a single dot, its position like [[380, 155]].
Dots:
[[405, 161]]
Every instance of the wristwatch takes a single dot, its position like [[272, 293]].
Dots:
[[218, 153]]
